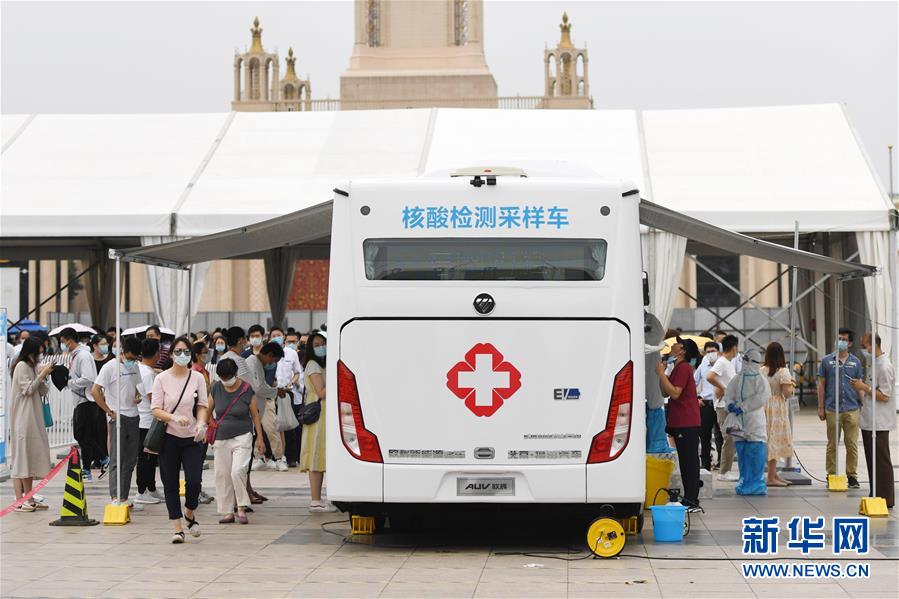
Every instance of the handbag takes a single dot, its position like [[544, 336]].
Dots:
[[156, 433], [285, 419], [213, 425], [48, 413], [310, 412]]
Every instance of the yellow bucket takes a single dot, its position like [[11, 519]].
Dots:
[[658, 473]]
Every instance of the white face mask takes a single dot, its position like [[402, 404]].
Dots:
[[229, 382], [182, 360], [255, 341], [713, 356]]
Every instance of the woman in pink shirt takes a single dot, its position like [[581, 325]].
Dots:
[[180, 400]]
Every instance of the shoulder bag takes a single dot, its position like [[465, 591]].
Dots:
[[156, 434], [310, 412], [213, 425]]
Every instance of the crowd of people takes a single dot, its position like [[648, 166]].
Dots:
[[736, 402], [254, 396]]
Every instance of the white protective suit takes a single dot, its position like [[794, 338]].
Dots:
[[750, 392]]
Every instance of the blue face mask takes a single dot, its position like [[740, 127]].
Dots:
[[104, 349], [128, 363], [671, 360], [321, 351], [842, 345], [278, 340], [292, 346], [271, 366], [115, 351]]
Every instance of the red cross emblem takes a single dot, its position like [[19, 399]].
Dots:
[[483, 380]]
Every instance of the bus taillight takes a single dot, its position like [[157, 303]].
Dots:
[[611, 441], [359, 441]]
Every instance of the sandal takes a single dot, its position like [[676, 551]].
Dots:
[[193, 527], [255, 500], [39, 506], [775, 483], [178, 538], [25, 507], [260, 496], [229, 519], [242, 518]]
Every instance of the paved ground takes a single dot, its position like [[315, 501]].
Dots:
[[285, 552]]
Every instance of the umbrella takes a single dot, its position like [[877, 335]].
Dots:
[[27, 325], [143, 329], [79, 328], [700, 342]]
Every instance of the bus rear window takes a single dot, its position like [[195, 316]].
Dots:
[[484, 259]]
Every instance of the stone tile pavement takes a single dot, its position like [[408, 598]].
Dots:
[[287, 552]]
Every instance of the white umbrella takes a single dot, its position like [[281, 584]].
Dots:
[[143, 329], [79, 328]]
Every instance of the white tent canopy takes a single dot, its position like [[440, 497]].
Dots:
[[194, 174]]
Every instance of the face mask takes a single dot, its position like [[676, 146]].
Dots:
[[278, 340], [182, 360], [866, 354], [292, 346], [255, 341], [321, 351], [229, 382], [128, 363], [115, 351], [713, 357], [842, 345], [693, 362], [220, 348], [271, 366], [671, 360], [104, 350]]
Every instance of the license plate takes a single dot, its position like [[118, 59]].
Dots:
[[467, 486]]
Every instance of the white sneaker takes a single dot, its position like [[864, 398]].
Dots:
[[320, 508], [146, 497], [730, 477], [270, 464], [157, 494], [259, 464], [281, 465]]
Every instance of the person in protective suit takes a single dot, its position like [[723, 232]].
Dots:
[[745, 399], [656, 438]]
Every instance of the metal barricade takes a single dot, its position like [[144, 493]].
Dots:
[[60, 434]]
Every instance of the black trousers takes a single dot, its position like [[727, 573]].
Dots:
[[84, 431], [886, 485], [686, 440], [101, 432], [179, 453], [706, 430], [293, 439], [146, 466]]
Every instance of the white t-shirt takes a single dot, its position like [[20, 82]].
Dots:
[[145, 388], [884, 411], [724, 369], [129, 382], [288, 366]]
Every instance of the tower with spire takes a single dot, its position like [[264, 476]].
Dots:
[[565, 73], [256, 81], [296, 93]]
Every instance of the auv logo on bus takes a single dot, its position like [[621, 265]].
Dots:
[[484, 379], [484, 217]]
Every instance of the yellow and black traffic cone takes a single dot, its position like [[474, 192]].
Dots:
[[74, 504]]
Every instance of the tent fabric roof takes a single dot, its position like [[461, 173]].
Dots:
[[196, 174], [301, 226]]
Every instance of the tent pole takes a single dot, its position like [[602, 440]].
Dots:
[[190, 285], [837, 382], [874, 390], [793, 287], [894, 283], [118, 381]]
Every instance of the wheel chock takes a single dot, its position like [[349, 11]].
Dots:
[[116, 514], [363, 525], [630, 525], [605, 537], [837, 482], [182, 488], [873, 507]]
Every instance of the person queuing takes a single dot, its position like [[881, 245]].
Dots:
[[683, 414], [81, 376], [266, 361], [777, 415], [884, 408], [255, 338], [708, 417], [745, 400], [721, 374], [180, 399], [236, 418], [847, 417], [289, 376], [200, 353], [115, 392], [146, 462], [219, 346], [100, 352], [29, 447], [312, 453]]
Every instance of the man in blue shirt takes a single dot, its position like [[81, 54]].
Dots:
[[850, 369]]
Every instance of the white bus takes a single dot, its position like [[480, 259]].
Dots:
[[486, 345]]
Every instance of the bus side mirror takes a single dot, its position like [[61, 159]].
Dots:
[[645, 289]]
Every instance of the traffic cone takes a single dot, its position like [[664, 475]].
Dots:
[[74, 504]]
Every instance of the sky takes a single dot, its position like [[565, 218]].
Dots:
[[100, 57]]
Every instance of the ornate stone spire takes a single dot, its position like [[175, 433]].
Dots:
[[291, 74], [257, 37], [565, 42]]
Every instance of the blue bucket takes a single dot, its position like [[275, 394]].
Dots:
[[668, 523]]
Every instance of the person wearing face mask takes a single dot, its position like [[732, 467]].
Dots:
[[115, 391], [312, 453], [260, 365], [707, 406], [289, 376], [722, 373], [100, 352], [236, 418], [82, 372], [683, 414], [850, 368], [146, 462], [884, 415], [256, 339], [745, 399], [777, 412], [219, 347]]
